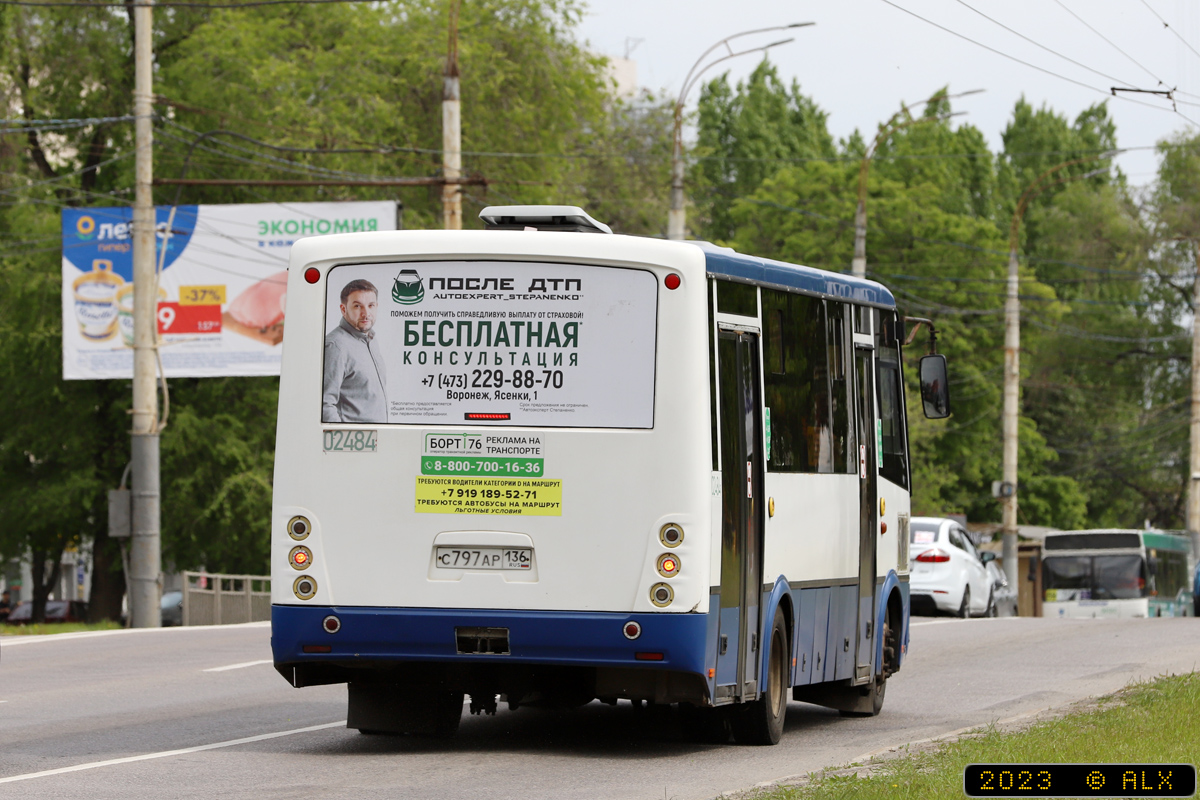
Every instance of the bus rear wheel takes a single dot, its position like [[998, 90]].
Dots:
[[761, 721]]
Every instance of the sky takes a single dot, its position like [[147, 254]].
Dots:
[[864, 57]]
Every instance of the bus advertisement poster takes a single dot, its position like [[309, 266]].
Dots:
[[221, 290], [489, 342]]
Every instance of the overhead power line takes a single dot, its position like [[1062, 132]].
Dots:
[[1172, 30], [1031, 65], [1049, 50], [1113, 44]]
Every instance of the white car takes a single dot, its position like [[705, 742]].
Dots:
[[946, 572]]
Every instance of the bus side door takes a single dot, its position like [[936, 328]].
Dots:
[[739, 393], [868, 524]]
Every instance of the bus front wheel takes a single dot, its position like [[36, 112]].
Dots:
[[761, 721]]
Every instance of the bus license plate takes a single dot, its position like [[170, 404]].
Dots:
[[484, 557]]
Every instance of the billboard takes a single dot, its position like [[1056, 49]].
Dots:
[[221, 293]]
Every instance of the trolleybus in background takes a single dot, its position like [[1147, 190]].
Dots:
[[1117, 573], [544, 464]]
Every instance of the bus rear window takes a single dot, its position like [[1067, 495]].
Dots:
[[490, 343]]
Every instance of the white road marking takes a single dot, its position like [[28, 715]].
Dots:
[[167, 753], [12, 640], [238, 666]]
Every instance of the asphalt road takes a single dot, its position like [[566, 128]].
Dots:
[[71, 702]]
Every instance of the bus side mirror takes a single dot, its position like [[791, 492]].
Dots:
[[986, 557], [935, 388]]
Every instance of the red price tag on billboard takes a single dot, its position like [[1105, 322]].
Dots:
[[174, 318]]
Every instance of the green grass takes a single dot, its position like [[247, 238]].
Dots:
[[1153, 722], [42, 628]]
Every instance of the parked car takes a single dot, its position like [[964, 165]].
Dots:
[[1005, 604], [56, 611], [172, 609], [946, 573]]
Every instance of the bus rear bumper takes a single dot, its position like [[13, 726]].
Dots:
[[380, 638]]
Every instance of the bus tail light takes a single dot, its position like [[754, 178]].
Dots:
[[934, 556], [632, 630], [671, 281], [661, 594], [648, 656], [300, 557], [668, 565], [312, 274], [331, 624], [305, 587]]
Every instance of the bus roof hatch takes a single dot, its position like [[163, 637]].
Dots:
[[542, 218]]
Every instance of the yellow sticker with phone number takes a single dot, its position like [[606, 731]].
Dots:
[[526, 497]]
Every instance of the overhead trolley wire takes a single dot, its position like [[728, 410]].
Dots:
[[1049, 50], [1031, 65], [1171, 29], [1113, 44]]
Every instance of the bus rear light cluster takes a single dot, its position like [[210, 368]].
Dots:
[[934, 556], [300, 557], [632, 630], [299, 527], [331, 624], [305, 587], [671, 535], [668, 565], [661, 594]]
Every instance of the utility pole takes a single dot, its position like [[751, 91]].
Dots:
[[145, 563], [1012, 360], [677, 215], [1012, 404], [452, 131], [1193, 497]]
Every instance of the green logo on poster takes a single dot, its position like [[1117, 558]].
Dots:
[[408, 288]]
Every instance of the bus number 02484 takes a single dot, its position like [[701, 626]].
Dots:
[[351, 441]]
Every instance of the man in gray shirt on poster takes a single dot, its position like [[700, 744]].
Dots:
[[355, 382]]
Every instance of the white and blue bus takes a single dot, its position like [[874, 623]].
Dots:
[[545, 464], [1117, 573]]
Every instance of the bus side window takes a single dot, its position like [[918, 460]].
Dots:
[[796, 377], [737, 298], [836, 339], [891, 402], [712, 375]]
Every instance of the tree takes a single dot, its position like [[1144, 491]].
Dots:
[[745, 136]]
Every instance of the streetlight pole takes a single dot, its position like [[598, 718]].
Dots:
[[677, 216], [1012, 362], [858, 265], [145, 562], [452, 131]]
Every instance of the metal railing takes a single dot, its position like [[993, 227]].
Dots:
[[214, 599]]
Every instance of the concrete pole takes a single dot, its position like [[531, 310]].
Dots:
[[1193, 497], [145, 562], [452, 131], [1012, 399], [858, 266], [677, 216]]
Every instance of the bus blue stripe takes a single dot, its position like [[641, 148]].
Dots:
[[576, 638]]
